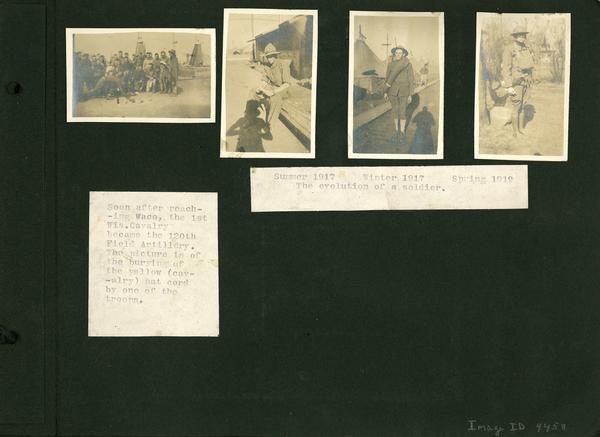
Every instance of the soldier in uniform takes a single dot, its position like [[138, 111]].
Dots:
[[517, 75], [174, 69], [399, 87], [424, 72], [276, 79], [108, 86], [156, 73]]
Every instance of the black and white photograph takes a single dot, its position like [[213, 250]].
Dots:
[[396, 85], [141, 75], [268, 97], [522, 86]]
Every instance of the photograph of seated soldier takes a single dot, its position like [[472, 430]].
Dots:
[[268, 86]]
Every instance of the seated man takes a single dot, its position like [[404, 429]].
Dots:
[[276, 79], [108, 86]]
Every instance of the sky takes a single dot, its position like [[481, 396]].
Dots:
[[109, 43], [240, 27], [418, 34], [533, 22]]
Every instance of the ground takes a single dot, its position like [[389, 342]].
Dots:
[[240, 80], [543, 134], [193, 102], [377, 136]]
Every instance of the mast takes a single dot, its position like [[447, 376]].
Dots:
[[253, 39], [387, 46]]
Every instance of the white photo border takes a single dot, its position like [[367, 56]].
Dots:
[[70, 32], [441, 48], [313, 109], [556, 158]]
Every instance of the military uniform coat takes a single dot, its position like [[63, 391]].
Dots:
[[517, 64], [517, 70], [278, 73], [400, 78]]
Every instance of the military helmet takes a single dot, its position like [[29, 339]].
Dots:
[[520, 29], [270, 50]]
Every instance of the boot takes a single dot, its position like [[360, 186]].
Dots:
[[514, 119], [522, 123]]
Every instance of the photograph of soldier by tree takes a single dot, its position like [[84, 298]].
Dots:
[[522, 86], [140, 75], [269, 83], [396, 85]]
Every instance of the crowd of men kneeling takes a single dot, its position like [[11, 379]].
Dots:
[[123, 76]]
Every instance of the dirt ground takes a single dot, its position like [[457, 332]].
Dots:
[[192, 102], [543, 135]]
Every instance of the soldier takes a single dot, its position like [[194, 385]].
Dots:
[[85, 71], [424, 72], [399, 87], [98, 69], [147, 67], [163, 57], [276, 79], [517, 75], [156, 73], [108, 86], [125, 72], [174, 69], [164, 77], [139, 79]]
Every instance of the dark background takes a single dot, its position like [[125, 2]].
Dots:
[[332, 324]]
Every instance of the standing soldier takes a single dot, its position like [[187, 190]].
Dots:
[[156, 73], [424, 73], [174, 69], [399, 87], [125, 72], [517, 75], [147, 67], [164, 77]]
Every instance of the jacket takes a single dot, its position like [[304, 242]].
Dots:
[[400, 78], [517, 65], [278, 73]]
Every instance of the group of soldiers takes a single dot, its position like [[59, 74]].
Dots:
[[123, 75]]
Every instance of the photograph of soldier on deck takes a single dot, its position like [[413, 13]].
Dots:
[[522, 86], [269, 83], [396, 85]]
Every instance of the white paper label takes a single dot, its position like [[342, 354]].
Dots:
[[389, 188], [153, 264]]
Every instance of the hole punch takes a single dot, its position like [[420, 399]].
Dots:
[[7, 336], [14, 88]]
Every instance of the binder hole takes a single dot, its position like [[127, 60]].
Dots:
[[7, 336], [14, 88]]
